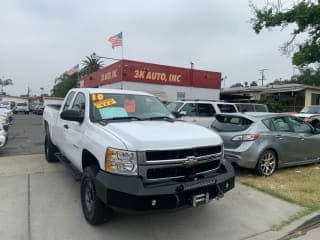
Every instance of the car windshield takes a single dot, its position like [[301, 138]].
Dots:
[[231, 123], [174, 106], [107, 106], [311, 109]]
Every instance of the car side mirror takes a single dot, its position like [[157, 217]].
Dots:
[[179, 114], [72, 115]]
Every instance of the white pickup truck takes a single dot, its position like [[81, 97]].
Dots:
[[132, 154]]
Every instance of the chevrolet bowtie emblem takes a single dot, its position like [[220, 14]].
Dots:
[[191, 161]]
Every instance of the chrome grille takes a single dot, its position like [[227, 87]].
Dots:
[[175, 164]]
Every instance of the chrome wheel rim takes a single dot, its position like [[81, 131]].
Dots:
[[268, 164]]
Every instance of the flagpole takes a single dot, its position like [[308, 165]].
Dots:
[[122, 65], [122, 56]]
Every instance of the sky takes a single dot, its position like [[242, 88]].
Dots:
[[40, 39]]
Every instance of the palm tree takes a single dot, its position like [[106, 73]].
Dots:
[[91, 64], [5, 82]]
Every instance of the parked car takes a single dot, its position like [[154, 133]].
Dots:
[[252, 107], [265, 142], [200, 112], [22, 107], [38, 109], [309, 113], [3, 136], [132, 154], [7, 113]]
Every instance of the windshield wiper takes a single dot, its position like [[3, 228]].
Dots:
[[169, 119], [108, 120]]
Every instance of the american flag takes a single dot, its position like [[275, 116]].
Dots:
[[116, 40], [73, 70]]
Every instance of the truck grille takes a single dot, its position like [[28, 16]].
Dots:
[[181, 171], [182, 153], [180, 163]]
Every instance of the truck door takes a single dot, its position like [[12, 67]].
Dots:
[[74, 131], [59, 130], [190, 111], [205, 114]]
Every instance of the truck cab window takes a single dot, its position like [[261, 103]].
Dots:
[[79, 103], [205, 110], [68, 101]]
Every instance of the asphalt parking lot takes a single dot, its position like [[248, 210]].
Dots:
[[42, 201], [26, 136]]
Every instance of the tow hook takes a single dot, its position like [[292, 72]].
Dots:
[[220, 193]]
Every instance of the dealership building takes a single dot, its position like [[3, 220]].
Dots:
[[166, 82]]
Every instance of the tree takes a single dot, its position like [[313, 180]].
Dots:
[[253, 84], [236, 85], [273, 105], [90, 65], [63, 84], [246, 84], [304, 16], [5, 82], [306, 76]]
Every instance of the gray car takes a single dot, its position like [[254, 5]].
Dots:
[[267, 141]]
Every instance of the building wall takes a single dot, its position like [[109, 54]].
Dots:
[[14, 99], [166, 82], [308, 96], [167, 92]]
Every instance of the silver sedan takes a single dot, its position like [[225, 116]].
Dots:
[[267, 141]]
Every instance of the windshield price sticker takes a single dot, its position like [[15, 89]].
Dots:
[[105, 103], [97, 97]]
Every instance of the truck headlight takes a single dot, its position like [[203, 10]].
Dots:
[[121, 162]]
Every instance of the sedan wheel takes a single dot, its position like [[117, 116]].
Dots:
[[267, 163]]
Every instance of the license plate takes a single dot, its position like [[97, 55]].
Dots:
[[200, 199]]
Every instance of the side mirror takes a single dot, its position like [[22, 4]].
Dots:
[[71, 115], [179, 114]]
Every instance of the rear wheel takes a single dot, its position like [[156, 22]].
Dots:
[[94, 210], [267, 163], [50, 149]]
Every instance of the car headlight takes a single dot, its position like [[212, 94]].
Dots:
[[121, 162]]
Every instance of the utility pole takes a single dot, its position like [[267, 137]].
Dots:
[[263, 78], [28, 92]]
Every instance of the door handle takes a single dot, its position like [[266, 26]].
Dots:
[[66, 126], [301, 138], [279, 137]]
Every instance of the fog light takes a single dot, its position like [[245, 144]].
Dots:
[[153, 203]]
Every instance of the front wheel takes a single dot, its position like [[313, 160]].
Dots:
[[94, 210], [266, 164]]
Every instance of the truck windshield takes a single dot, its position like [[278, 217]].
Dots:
[[105, 106]]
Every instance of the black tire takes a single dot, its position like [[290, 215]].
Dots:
[[50, 149], [94, 210], [267, 163]]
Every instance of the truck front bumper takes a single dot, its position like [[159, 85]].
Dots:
[[128, 193]]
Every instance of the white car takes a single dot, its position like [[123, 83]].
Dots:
[[22, 107], [200, 112], [3, 136]]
